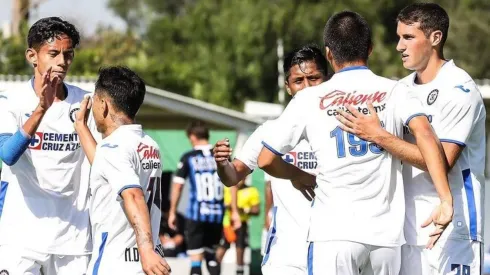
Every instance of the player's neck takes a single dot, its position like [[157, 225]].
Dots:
[[429, 72], [200, 142], [115, 123], [38, 86]]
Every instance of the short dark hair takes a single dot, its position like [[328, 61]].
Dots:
[[431, 17], [305, 54], [348, 36], [124, 87], [51, 27], [199, 129]]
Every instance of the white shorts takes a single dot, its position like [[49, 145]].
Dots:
[[456, 257], [351, 258], [18, 261], [283, 270]]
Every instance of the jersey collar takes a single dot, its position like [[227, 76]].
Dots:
[[352, 68]]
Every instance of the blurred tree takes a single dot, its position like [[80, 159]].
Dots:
[[224, 52]]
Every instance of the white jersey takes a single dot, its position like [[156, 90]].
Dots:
[[286, 243], [455, 107], [359, 197], [128, 158], [44, 195]]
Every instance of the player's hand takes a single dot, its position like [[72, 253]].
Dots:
[[172, 221], [441, 216], [222, 151], [48, 90], [367, 127], [306, 185], [236, 221], [82, 115], [154, 264]]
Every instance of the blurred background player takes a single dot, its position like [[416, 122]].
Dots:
[[248, 203], [286, 246], [358, 183], [205, 209], [44, 225], [173, 241], [125, 180], [458, 115]]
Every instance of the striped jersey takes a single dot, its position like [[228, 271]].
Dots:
[[206, 190]]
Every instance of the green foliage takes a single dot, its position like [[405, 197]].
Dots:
[[224, 52]]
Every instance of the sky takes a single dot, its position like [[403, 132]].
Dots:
[[85, 14]]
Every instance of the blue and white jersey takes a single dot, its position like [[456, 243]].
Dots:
[[43, 196], [206, 190], [457, 114], [359, 183]]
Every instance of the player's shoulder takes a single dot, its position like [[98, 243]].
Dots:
[[16, 95]]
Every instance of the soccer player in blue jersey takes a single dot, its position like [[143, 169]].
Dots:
[[205, 208]]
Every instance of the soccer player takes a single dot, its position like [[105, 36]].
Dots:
[[125, 179], [44, 222], [286, 244], [204, 224], [356, 223], [458, 115]]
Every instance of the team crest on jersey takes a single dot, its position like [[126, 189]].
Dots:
[[4, 272], [36, 142], [432, 97], [54, 142], [290, 158], [73, 114]]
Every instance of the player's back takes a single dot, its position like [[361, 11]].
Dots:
[[206, 190], [128, 158], [357, 180], [457, 114], [44, 188]]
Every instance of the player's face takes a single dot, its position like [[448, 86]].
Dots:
[[303, 76], [57, 53], [414, 46]]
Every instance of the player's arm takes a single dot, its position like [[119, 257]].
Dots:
[[84, 134], [281, 136], [134, 205], [120, 171], [13, 140], [177, 185]]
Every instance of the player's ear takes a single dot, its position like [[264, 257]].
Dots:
[[328, 54], [105, 107], [436, 38], [31, 56], [287, 87]]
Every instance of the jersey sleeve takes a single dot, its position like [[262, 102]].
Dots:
[[251, 149], [283, 134], [407, 104], [182, 170], [460, 114], [119, 167]]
